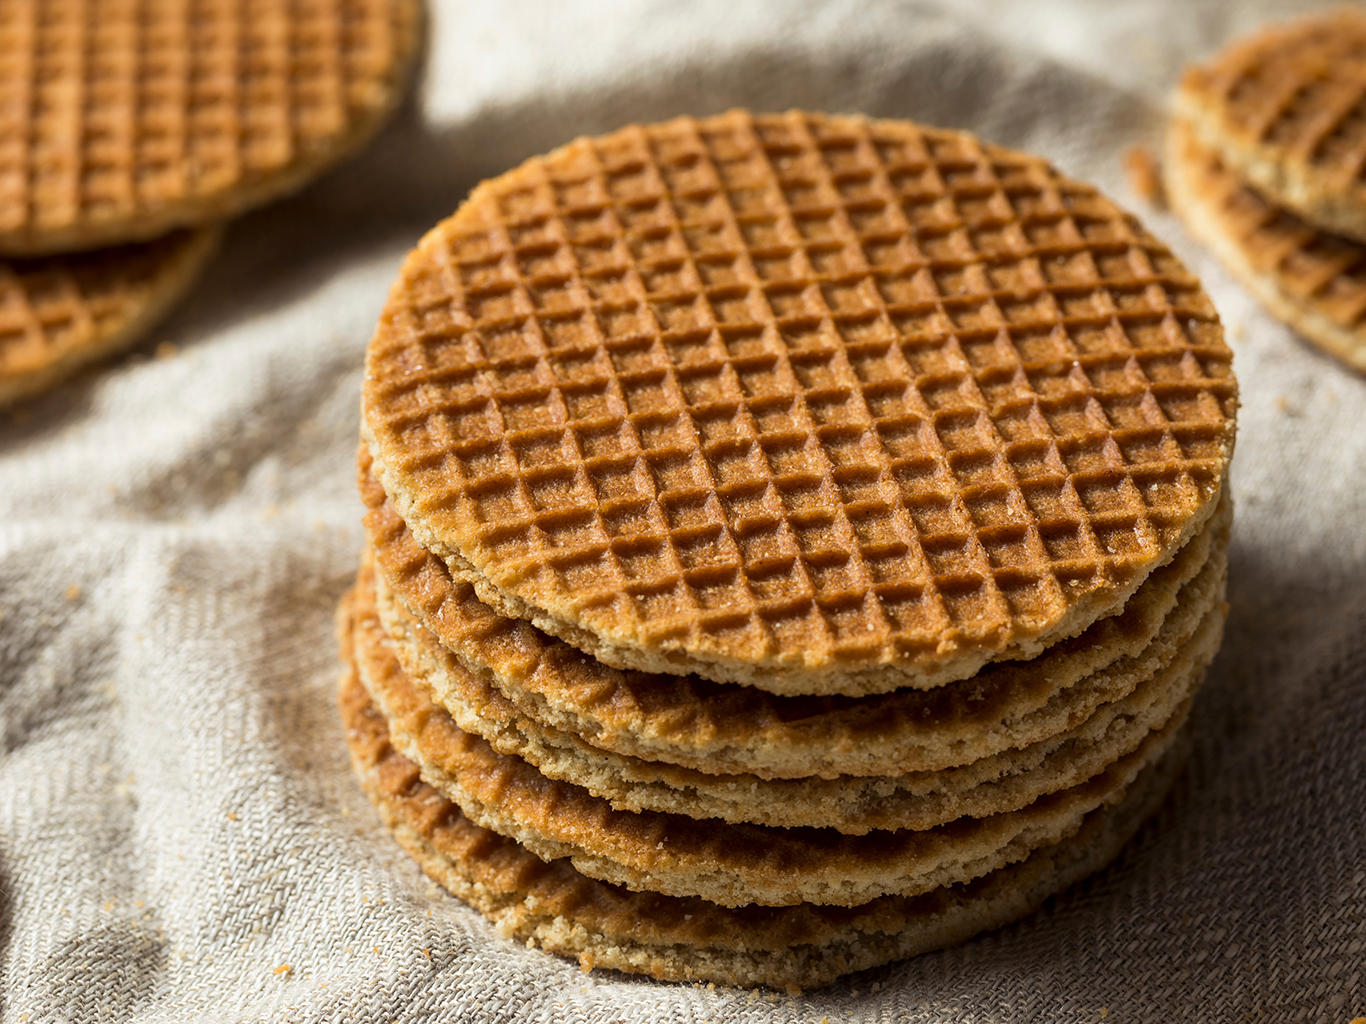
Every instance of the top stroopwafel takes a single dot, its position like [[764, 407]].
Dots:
[[121, 121], [1286, 111], [817, 404]]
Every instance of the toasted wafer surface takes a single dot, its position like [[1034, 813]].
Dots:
[[124, 120], [1313, 280], [816, 404], [59, 313], [1286, 111], [852, 805], [672, 938], [714, 727]]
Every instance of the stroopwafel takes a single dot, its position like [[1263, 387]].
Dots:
[[853, 805], [1004, 781], [123, 121], [60, 313], [739, 864], [1285, 111], [814, 404], [1311, 279]]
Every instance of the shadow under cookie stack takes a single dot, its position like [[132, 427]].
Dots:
[[794, 543]]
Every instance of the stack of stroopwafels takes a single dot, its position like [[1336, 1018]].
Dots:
[[794, 543], [130, 131], [1266, 164]]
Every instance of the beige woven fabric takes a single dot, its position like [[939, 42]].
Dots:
[[180, 834]]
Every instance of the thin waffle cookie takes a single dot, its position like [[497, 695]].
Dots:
[[1285, 110], [1312, 280], [816, 404], [424, 731], [123, 121], [681, 939], [777, 738], [60, 313], [718, 728], [738, 864]]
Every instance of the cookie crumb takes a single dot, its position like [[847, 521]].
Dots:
[[169, 350], [283, 969], [73, 592], [1144, 178]]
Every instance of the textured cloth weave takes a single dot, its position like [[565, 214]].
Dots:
[[180, 835]]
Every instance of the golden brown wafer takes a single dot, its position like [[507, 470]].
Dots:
[[60, 313], [1285, 110], [123, 121], [815, 404], [1312, 280]]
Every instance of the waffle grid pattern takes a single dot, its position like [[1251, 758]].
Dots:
[[51, 306], [110, 109], [790, 383], [1313, 280], [1302, 91], [1326, 272]]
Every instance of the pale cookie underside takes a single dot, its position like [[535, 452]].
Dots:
[[815, 404], [61, 313], [1310, 279], [669, 938], [851, 805], [736, 864], [1285, 110], [721, 728], [144, 119]]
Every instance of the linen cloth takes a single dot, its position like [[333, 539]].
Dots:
[[180, 835]]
